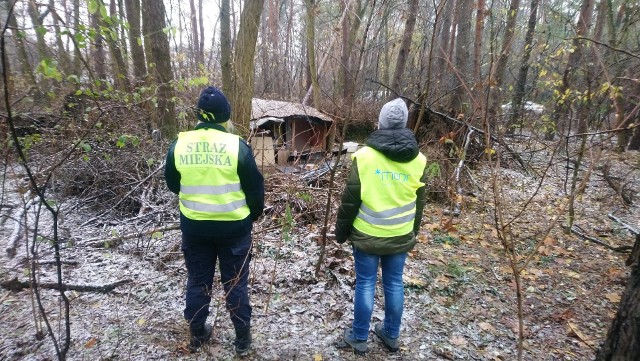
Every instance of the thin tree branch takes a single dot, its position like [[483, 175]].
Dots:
[[16, 285], [608, 46]]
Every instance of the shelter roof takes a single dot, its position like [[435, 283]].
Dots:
[[261, 108]]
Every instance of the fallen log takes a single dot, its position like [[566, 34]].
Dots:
[[16, 285], [101, 242], [624, 224], [576, 230]]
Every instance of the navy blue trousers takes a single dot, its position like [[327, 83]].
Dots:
[[200, 255]]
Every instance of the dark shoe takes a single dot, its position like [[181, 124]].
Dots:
[[199, 336], [359, 347], [243, 339], [391, 344]]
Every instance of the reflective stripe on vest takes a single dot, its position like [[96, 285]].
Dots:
[[210, 189], [388, 193], [389, 216]]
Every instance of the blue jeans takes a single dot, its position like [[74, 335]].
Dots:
[[366, 277], [200, 255]]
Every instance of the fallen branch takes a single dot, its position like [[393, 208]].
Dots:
[[15, 285], [458, 205], [126, 196], [576, 230], [515, 155], [16, 234], [633, 231], [100, 242]]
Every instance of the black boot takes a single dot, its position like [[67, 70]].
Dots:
[[243, 339], [199, 336]]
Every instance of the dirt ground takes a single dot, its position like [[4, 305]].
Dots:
[[460, 297]]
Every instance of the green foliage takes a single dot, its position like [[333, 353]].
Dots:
[[456, 270], [126, 138], [95, 6], [306, 197], [86, 148], [433, 170], [41, 30], [546, 260], [287, 223], [447, 239], [29, 141], [49, 69], [80, 36], [453, 281]]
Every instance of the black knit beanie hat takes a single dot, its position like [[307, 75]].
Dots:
[[213, 106]]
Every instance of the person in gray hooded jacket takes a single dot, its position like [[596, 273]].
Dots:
[[380, 214]]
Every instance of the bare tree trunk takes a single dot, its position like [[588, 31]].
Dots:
[[521, 81], [312, 70], [99, 57], [275, 76], [477, 51], [244, 64], [460, 103], [315, 88], [287, 46], [405, 45], [26, 68], [623, 339], [225, 47], [198, 56], [37, 23], [159, 59], [442, 51], [8, 47], [386, 56], [122, 35], [119, 68], [201, 26], [266, 71], [497, 76], [416, 116], [343, 73], [135, 39], [561, 110], [61, 51], [77, 55], [349, 33]]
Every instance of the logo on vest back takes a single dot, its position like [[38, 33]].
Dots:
[[391, 176], [205, 153]]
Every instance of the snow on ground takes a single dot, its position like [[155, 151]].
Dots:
[[460, 298]]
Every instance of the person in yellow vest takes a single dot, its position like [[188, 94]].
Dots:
[[221, 194], [380, 215]]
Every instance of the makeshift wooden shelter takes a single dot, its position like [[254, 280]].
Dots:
[[284, 132]]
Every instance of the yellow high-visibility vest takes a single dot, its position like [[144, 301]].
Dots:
[[388, 193], [207, 160]]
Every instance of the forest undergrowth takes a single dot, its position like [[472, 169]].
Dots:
[[125, 274]]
